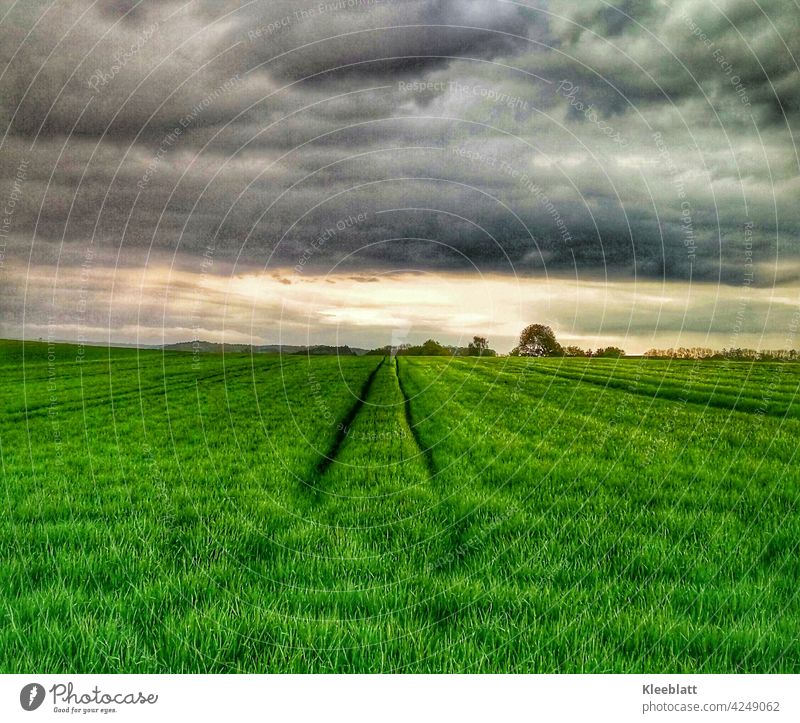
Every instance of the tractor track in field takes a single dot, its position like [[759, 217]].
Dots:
[[76, 403], [424, 451], [662, 393], [113, 395], [344, 426]]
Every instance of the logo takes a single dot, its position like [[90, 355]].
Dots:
[[31, 696]]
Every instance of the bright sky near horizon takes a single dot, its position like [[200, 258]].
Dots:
[[369, 172]]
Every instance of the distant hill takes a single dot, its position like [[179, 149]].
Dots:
[[279, 349], [206, 346], [322, 350], [215, 347]]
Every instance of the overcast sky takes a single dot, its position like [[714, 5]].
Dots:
[[372, 172]]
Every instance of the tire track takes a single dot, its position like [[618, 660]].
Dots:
[[424, 451], [343, 427]]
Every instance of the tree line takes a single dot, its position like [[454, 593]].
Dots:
[[479, 346], [535, 340], [733, 354], [538, 340]]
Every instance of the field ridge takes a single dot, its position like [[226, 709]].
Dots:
[[424, 450], [571, 528], [683, 394], [343, 427]]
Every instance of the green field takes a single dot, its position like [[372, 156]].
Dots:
[[242, 513]]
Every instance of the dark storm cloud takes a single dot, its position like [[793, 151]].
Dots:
[[376, 38], [646, 51], [106, 72], [638, 139]]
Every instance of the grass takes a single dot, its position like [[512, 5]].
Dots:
[[239, 513]]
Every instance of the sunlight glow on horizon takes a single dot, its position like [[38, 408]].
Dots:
[[164, 305]]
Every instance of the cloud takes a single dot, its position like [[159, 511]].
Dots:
[[162, 304], [635, 141], [376, 38]]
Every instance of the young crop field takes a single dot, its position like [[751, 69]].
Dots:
[[170, 512]]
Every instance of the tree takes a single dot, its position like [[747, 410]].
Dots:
[[574, 351], [479, 343], [610, 352], [478, 346], [538, 340], [429, 348], [434, 348]]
